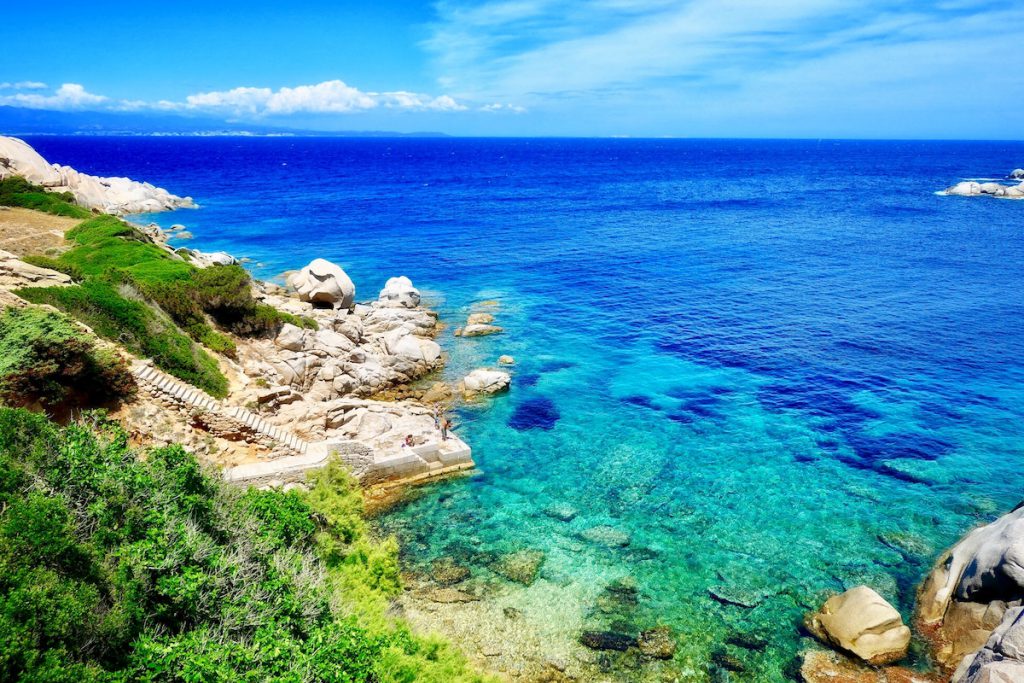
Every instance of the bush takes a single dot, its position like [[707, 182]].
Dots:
[[137, 327], [16, 191], [119, 568], [45, 357]]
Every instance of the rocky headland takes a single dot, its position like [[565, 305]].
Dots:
[[117, 196], [335, 375]]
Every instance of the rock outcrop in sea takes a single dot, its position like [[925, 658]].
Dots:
[[971, 188], [117, 196]]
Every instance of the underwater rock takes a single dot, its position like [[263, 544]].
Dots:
[[737, 596], [820, 666], [861, 622], [521, 566], [657, 643], [619, 595], [563, 512], [607, 536], [450, 595], [727, 661], [446, 572], [477, 330], [535, 413], [479, 319], [607, 640]]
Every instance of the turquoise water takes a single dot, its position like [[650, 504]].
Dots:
[[778, 368]]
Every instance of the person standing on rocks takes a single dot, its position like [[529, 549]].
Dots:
[[446, 426]]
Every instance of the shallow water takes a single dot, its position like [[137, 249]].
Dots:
[[781, 368]]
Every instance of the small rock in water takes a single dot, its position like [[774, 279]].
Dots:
[[446, 572], [479, 319], [728, 661], [506, 360], [561, 511], [450, 595], [739, 596], [511, 613], [607, 640], [619, 596], [477, 330], [657, 643], [521, 566], [607, 536]]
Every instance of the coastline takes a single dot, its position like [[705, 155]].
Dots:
[[455, 604]]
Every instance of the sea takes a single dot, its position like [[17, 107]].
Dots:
[[748, 373]]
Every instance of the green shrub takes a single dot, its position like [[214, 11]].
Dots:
[[16, 191], [119, 568], [137, 327], [45, 357]]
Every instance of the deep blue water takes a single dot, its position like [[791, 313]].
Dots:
[[782, 367]]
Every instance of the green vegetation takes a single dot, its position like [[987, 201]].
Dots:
[[46, 358], [16, 191], [135, 293], [138, 327], [117, 568]]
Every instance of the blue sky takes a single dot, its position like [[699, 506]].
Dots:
[[689, 68]]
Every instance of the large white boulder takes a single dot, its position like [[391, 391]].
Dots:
[[18, 158], [486, 381], [322, 282], [398, 292], [862, 623]]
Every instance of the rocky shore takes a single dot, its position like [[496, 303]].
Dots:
[[352, 378], [117, 196], [970, 612]]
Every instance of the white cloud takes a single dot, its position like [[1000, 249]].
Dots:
[[67, 96], [22, 85], [537, 51], [498, 106], [329, 97]]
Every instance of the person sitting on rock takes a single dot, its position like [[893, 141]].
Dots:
[[409, 441]]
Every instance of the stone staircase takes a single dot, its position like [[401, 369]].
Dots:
[[188, 395], [419, 463]]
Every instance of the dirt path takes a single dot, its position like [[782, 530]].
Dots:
[[23, 231]]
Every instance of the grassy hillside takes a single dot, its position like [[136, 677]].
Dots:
[[156, 304], [16, 191], [120, 568]]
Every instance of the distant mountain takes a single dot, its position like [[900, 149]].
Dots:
[[20, 121]]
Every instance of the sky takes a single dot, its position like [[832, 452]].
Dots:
[[642, 68]]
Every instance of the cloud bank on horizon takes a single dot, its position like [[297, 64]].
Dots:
[[691, 67]]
